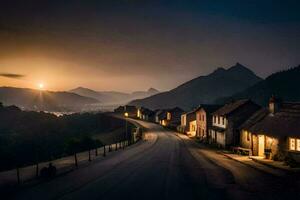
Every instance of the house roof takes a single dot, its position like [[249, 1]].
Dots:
[[209, 108], [163, 113], [231, 107], [285, 122], [147, 111]]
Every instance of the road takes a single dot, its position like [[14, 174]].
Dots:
[[165, 166]]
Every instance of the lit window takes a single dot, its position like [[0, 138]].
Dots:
[[292, 144], [298, 145], [168, 116]]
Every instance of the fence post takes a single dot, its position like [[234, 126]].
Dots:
[[18, 175], [90, 156], [104, 151], [75, 158], [37, 170]]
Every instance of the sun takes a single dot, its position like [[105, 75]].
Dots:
[[41, 86]]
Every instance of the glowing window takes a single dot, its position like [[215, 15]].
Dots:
[[168, 116], [298, 145], [292, 144]]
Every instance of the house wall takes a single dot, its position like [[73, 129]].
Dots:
[[189, 118], [201, 121], [175, 118], [235, 120], [139, 113], [250, 141], [220, 121], [183, 120], [245, 139], [216, 137], [211, 136], [192, 128], [221, 139]]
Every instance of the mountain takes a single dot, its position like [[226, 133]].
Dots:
[[112, 97], [204, 89], [283, 84], [31, 99]]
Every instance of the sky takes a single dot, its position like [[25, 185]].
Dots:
[[130, 45]]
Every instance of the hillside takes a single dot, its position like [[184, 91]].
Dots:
[[113, 97], [31, 99], [204, 89], [283, 84]]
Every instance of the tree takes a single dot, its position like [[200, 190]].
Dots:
[[73, 146]]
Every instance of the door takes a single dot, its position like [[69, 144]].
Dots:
[[261, 145]]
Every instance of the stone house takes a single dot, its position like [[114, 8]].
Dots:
[[226, 120], [204, 120], [273, 132], [188, 123], [170, 117]]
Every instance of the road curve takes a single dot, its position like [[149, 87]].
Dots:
[[165, 166]]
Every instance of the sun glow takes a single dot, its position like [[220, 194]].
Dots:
[[41, 86]]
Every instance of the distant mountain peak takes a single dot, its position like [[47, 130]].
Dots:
[[152, 90], [203, 89], [239, 67]]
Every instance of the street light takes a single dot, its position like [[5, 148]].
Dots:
[[126, 115]]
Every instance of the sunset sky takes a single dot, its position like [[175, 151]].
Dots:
[[129, 45]]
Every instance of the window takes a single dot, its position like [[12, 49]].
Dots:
[[298, 145], [292, 144], [223, 121], [218, 120], [214, 119], [168, 116]]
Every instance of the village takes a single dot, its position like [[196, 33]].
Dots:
[[242, 127]]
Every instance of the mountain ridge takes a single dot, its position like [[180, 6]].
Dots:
[[32, 99], [203, 89], [113, 97], [283, 84]]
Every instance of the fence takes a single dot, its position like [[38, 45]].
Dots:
[[65, 164]]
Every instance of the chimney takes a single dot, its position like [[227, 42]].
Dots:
[[274, 104]]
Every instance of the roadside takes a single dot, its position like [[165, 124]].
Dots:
[[242, 178], [112, 141], [268, 166], [89, 173]]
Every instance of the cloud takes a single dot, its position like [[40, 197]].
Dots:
[[10, 75]]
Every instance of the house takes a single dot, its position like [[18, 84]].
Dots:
[[273, 132], [170, 117], [158, 116], [188, 123], [146, 114], [131, 111], [226, 121], [204, 120]]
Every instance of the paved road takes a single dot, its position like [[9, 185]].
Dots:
[[165, 166]]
